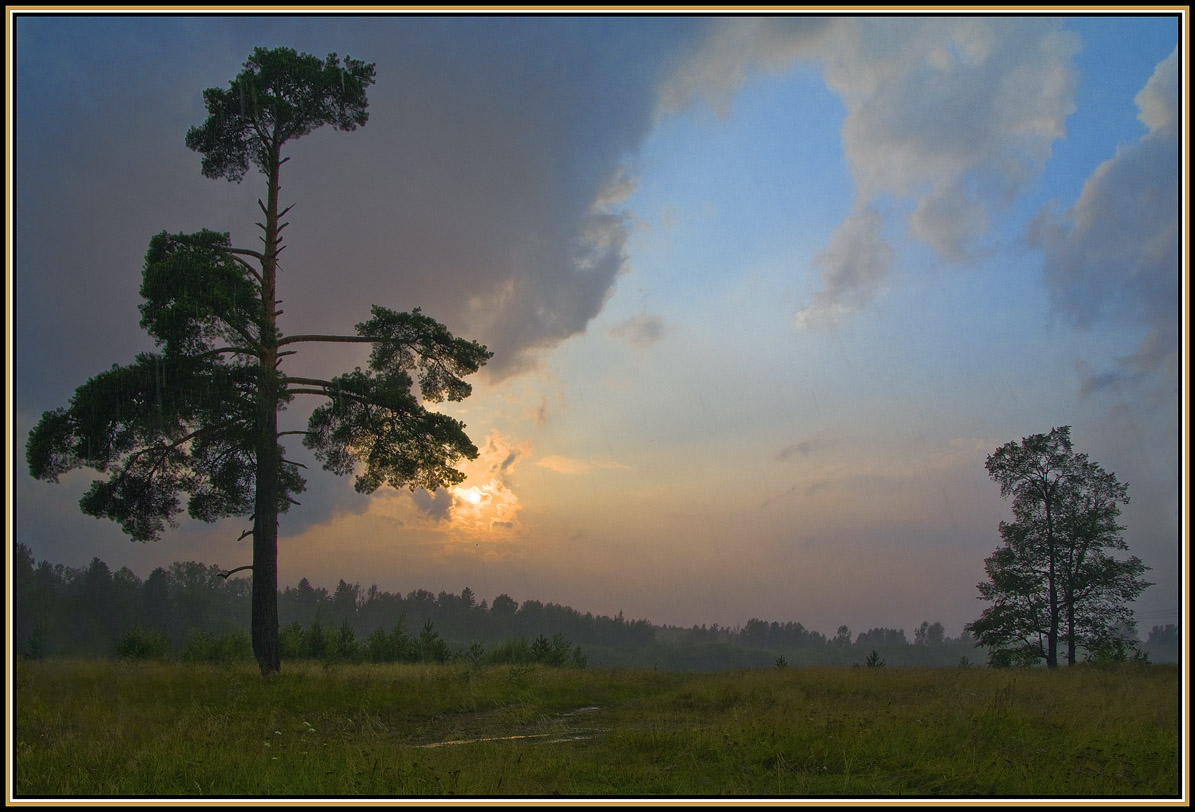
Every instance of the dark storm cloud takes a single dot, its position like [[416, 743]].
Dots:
[[435, 505], [476, 190], [479, 190]]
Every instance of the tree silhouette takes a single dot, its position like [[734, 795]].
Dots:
[[1054, 580], [200, 417]]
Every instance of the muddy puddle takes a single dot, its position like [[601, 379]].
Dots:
[[562, 733]]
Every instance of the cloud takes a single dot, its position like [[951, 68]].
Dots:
[[1157, 100], [498, 455], [956, 115], [492, 175], [485, 500], [1114, 254], [732, 51], [486, 187], [822, 441], [641, 331], [437, 506], [487, 511], [856, 262], [952, 116]]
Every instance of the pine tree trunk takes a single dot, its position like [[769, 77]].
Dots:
[[265, 553], [265, 525]]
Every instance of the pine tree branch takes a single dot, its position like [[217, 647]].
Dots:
[[331, 339], [310, 381]]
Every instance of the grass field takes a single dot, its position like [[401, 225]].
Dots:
[[85, 728]]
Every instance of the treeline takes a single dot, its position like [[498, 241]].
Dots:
[[194, 610], [793, 644], [191, 610]]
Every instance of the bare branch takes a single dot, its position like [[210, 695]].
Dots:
[[225, 574], [249, 252], [329, 339], [311, 381], [232, 350]]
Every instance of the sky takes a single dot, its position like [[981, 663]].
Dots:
[[763, 292]]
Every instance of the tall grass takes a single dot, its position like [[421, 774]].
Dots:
[[172, 729]]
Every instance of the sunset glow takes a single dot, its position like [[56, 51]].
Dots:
[[762, 292]]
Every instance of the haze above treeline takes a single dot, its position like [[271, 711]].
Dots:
[[63, 611]]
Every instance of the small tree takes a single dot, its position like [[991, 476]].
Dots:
[[200, 418], [1054, 581]]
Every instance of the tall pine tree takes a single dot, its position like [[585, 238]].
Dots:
[[199, 418]]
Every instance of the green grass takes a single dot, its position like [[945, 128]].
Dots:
[[169, 729]]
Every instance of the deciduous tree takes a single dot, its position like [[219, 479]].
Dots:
[[1054, 580], [199, 418]]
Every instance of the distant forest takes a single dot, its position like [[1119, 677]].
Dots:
[[189, 610]]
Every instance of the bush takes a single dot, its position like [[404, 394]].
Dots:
[[509, 652], [35, 646], [290, 642], [429, 646], [378, 648], [402, 647], [557, 652], [144, 644], [315, 642], [1114, 651], [345, 647], [474, 655]]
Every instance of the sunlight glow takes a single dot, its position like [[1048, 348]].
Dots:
[[486, 508]]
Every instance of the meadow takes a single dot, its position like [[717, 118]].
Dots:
[[104, 728]]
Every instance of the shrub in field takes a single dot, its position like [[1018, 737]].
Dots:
[[144, 644], [315, 642], [402, 647], [290, 642], [1116, 651], [35, 646], [430, 647], [556, 652], [510, 652], [345, 647], [473, 655], [377, 647]]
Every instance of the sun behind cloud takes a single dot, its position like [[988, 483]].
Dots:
[[489, 509]]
